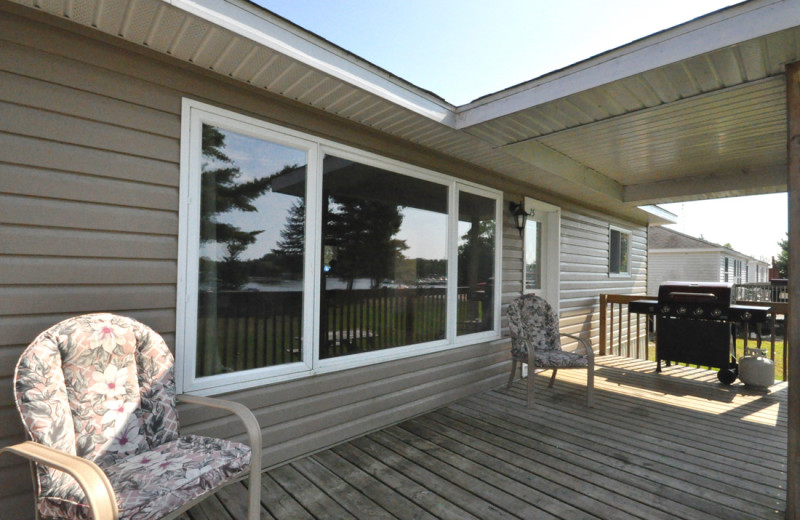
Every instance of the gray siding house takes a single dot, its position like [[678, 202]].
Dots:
[[675, 256], [195, 164]]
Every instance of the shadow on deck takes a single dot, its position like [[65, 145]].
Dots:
[[668, 446]]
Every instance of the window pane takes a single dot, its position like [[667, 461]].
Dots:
[[613, 252], [476, 249], [624, 250], [384, 259], [252, 226], [533, 255]]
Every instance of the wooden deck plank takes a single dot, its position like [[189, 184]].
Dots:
[[394, 503], [313, 499], [613, 449], [674, 445], [344, 493], [527, 474], [278, 501], [622, 473], [420, 495], [441, 479]]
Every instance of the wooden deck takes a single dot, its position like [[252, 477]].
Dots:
[[668, 446]]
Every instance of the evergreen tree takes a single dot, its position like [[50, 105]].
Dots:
[[223, 191], [363, 231], [782, 262]]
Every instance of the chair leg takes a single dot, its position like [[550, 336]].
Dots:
[[511, 377], [590, 385], [531, 372], [552, 378]]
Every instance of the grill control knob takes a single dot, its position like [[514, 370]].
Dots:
[[682, 309], [665, 309], [716, 313], [699, 311]]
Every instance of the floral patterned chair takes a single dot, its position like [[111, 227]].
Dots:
[[97, 398], [536, 340]]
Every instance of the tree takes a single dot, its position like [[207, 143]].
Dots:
[[363, 231], [223, 191], [782, 262], [291, 246]]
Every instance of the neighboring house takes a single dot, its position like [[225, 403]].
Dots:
[[675, 256], [208, 168]]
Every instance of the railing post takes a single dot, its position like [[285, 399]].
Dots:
[[603, 304]]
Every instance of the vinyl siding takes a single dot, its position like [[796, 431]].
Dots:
[[89, 184], [701, 266]]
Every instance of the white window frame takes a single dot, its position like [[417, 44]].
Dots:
[[629, 233], [194, 114]]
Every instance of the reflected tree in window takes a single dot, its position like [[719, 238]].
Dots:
[[224, 190], [363, 232]]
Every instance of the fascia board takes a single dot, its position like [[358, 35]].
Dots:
[[252, 22], [715, 31]]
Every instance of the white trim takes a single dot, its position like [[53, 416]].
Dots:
[[194, 115], [621, 230], [550, 217], [260, 26], [497, 196]]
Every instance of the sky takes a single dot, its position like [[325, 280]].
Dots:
[[465, 49]]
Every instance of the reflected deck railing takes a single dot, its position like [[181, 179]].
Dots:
[[628, 334], [239, 330]]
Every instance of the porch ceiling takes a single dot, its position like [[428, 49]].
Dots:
[[696, 111]]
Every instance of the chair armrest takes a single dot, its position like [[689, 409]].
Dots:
[[587, 347], [90, 477], [244, 414]]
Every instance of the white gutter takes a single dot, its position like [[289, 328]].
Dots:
[[256, 24]]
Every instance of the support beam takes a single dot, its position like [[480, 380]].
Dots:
[[552, 161], [770, 179], [793, 328]]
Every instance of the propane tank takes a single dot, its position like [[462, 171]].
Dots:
[[755, 369]]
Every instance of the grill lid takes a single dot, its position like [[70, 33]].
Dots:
[[696, 292]]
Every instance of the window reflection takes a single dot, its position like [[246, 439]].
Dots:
[[384, 259], [476, 258], [252, 227]]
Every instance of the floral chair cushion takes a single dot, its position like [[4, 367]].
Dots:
[[102, 387], [534, 325], [153, 483]]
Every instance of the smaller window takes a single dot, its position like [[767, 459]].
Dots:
[[619, 252]]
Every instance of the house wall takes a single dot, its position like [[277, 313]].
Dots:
[[700, 266], [89, 179]]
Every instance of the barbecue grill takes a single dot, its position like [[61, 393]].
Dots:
[[694, 324]]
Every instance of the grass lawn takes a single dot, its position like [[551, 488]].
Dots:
[[765, 345]]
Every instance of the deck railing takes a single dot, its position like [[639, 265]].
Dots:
[[630, 334], [761, 292]]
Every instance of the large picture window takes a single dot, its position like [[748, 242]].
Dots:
[[300, 256]]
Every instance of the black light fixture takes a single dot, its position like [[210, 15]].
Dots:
[[520, 215]]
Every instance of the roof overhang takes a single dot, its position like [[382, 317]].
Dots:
[[696, 111]]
